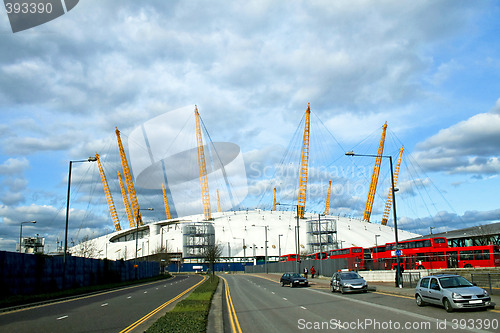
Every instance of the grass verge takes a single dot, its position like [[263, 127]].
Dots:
[[20, 300], [191, 314]]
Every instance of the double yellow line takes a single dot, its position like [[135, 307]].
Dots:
[[149, 315], [235, 324]]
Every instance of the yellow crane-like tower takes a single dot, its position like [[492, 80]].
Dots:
[[388, 204], [165, 200], [376, 171], [205, 197], [218, 202], [304, 165], [128, 180], [109, 198], [126, 202], [274, 200], [327, 205]]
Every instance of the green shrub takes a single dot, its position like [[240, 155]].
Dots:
[[190, 314]]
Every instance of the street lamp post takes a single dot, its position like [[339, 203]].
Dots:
[[351, 153], [137, 219], [265, 246], [279, 245], [90, 159], [244, 248], [376, 247], [297, 239], [430, 228], [21, 233], [320, 244]]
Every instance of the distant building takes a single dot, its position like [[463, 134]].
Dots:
[[241, 234], [32, 244], [479, 235]]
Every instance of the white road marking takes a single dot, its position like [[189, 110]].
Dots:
[[303, 308], [285, 299], [63, 317], [105, 304], [146, 292], [129, 297]]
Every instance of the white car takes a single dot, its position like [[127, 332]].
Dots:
[[452, 292]]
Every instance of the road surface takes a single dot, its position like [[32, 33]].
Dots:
[[262, 305], [120, 310]]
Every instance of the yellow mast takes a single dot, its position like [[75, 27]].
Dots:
[[388, 204], [130, 216], [274, 200], [218, 202], [128, 180], [327, 205], [203, 168], [304, 165], [376, 171], [109, 198], [167, 208]]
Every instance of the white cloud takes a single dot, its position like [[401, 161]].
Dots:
[[470, 146]]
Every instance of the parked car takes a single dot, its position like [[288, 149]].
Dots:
[[348, 282], [293, 279], [452, 292]]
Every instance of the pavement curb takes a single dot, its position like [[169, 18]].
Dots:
[[215, 322]]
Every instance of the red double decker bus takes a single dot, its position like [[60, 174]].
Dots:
[[288, 257], [317, 256], [456, 257], [354, 255], [434, 253]]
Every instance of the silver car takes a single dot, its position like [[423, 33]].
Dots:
[[451, 291], [347, 282]]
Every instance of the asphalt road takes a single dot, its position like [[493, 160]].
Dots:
[[112, 311], [262, 305]]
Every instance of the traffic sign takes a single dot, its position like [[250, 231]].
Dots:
[[399, 253]]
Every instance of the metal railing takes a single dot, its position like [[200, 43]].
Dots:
[[489, 281]]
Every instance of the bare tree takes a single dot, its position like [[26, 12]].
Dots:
[[86, 248], [212, 254]]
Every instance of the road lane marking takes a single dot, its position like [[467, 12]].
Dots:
[[389, 294], [149, 315], [105, 304], [373, 304], [272, 292], [63, 317], [450, 324], [145, 292], [285, 299], [233, 318], [303, 307], [76, 298], [129, 297]]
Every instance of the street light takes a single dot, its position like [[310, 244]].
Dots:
[[430, 228], [21, 233], [244, 248], [279, 244], [320, 244], [376, 247], [351, 153], [297, 241], [137, 219], [265, 247], [90, 159]]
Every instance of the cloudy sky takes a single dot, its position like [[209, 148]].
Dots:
[[431, 69]]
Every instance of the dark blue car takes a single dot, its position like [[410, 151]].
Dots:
[[294, 280]]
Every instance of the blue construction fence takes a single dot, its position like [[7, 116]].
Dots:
[[28, 274], [203, 268]]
